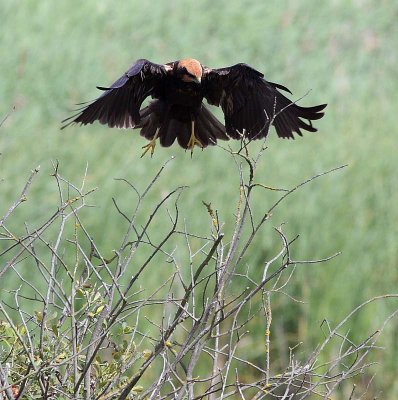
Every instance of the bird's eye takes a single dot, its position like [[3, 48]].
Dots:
[[188, 77]]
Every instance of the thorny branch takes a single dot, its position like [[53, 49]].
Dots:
[[141, 323]]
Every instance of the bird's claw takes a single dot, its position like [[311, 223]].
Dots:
[[193, 141], [150, 146]]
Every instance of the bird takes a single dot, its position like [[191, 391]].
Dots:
[[250, 104]]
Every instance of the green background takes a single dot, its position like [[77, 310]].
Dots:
[[54, 53]]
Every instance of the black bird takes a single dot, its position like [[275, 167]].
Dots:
[[249, 102]]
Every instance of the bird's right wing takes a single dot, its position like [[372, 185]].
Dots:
[[119, 105], [251, 104]]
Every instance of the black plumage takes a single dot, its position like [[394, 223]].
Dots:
[[250, 104]]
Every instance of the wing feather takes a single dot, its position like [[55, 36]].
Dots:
[[119, 105], [250, 103]]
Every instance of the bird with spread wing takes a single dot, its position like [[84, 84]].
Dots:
[[250, 105]]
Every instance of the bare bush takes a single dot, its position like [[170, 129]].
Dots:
[[87, 326]]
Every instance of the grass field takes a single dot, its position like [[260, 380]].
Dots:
[[53, 54]]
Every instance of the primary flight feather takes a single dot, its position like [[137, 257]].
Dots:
[[250, 105]]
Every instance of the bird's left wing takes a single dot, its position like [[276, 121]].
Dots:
[[119, 105], [250, 103]]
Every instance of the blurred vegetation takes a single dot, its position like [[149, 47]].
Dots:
[[53, 54]]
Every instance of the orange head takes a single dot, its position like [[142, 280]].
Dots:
[[190, 69]]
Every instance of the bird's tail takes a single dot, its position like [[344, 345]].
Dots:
[[174, 123]]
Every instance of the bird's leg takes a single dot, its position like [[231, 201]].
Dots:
[[151, 145], [193, 140]]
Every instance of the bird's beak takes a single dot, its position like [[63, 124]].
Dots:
[[197, 80]]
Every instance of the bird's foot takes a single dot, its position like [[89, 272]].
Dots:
[[150, 146], [194, 141]]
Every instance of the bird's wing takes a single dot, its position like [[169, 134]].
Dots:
[[119, 105], [250, 103]]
